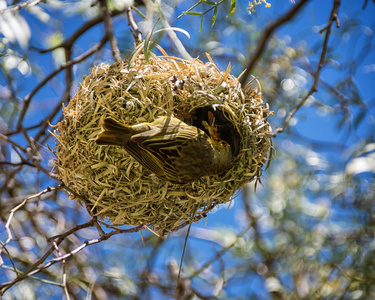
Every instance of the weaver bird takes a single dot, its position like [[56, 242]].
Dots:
[[170, 148]]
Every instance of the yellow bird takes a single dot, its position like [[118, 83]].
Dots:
[[170, 148]]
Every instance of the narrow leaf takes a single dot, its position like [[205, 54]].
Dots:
[[148, 42], [209, 2], [214, 16], [232, 7], [193, 13], [185, 12], [134, 54], [139, 12], [200, 26]]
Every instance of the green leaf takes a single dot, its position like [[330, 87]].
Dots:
[[135, 53], [193, 13], [209, 2], [200, 26], [185, 12], [232, 7], [214, 16], [139, 12], [147, 48], [147, 43]]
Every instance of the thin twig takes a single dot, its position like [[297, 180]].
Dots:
[[79, 32], [66, 44], [137, 33], [108, 23], [12, 212], [333, 17], [78, 59], [34, 269], [25, 162], [10, 133], [262, 44], [220, 253], [20, 6], [64, 285], [51, 115], [364, 4], [8, 178], [8, 140], [20, 277]]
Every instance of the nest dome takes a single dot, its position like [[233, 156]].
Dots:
[[119, 190]]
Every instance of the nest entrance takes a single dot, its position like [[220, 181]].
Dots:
[[227, 130]]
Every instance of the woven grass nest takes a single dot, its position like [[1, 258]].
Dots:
[[112, 184]]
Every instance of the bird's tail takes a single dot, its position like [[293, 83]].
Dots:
[[114, 133]]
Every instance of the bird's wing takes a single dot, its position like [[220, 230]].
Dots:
[[158, 148]]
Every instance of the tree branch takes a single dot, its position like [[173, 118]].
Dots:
[[20, 6], [137, 33], [108, 23], [262, 44], [78, 59], [81, 30], [333, 17], [34, 269]]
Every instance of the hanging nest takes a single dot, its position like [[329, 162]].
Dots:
[[119, 190]]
